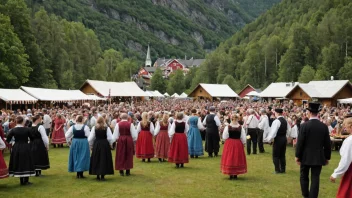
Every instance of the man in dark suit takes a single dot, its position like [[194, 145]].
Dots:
[[313, 151]]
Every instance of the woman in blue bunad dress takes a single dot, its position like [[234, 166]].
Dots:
[[194, 139], [79, 158]]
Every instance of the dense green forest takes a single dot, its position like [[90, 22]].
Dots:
[[294, 41], [60, 44], [174, 28]]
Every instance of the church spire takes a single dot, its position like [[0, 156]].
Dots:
[[148, 60]]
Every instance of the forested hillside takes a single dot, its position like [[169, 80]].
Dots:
[[294, 41], [174, 28]]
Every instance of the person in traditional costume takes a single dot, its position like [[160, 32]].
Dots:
[[21, 160], [178, 152], [58, 136], [125, 135], [212, 137], [345, 165], [100, 140], [39, 146], [4, 171], [263, 127], [194, 138], [162, 143], [144, 145], [279, 132], [313, 150], [79, 159], [251, 124], [233, 159]]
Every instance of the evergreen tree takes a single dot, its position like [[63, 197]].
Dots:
[[158, 82], [176, 82], [231, 82], [307, 74]]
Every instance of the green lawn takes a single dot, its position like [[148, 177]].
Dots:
[[200, 178]]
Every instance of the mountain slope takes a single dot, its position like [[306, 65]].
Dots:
[[172, 27], [289, 37]]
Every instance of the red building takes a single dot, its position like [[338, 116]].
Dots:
[[248, 88]]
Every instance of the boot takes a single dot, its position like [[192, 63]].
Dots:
[[102, 178], [181, 165], [121, 173], [143, 160], [160, 160], [192, 156], [128, 173], [77, 175], [177, 165], [98, 177], [22, 181], [36, 173], [148, 159]]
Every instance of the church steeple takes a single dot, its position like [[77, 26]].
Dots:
[[148, 60]]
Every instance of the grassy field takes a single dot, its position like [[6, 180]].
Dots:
[[200, 178]]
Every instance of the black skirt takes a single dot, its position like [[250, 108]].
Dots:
[[40, 155], [21, 162], [101, 159]]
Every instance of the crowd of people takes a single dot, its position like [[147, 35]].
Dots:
[[173, 130]]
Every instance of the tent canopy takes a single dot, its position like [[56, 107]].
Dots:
[[183, 95], [94, 97], [345, 101], [16, 96], [166, 94], [116, 89], [217, 90], [56, 94], [175, 95], [253, 93]]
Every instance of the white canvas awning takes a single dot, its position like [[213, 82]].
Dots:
[[252, 93], [166, 94], [345, 101], [94, 97], [218, 90], [16, 96], [183, 95], [116, 89], [175, 95], [56, 95]]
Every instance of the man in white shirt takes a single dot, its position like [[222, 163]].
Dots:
[[46, 122], [279, 132], [212, 137], [264, 129], [252, 130]]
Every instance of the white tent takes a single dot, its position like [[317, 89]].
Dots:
[[94, 97], [252, 93], [166, 94], [158, 94], [56, 94], [115, 89], [217, 90], [16, 96], [345, 101], [175, 95], [150, 93], [183, 95]]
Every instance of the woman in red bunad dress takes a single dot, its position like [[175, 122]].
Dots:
[[144, 145], [178, 152], [4, 171], [233, 160], [162, 143], [345, 165], [58, 136]]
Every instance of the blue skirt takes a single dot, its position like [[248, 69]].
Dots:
[[195, 144], [79, 159]]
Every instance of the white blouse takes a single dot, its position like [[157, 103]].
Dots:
[[42, 132], [2, 144], [116, 134], [69, 133], [294, 132], [157, 128], [346, 158], [225, 134], [173, 127], [92, 136], [151, 128]]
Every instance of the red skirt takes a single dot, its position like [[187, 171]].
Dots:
[[233, 160], [144, 145], [4, 171], [178, 152], [58, 137], [345, 189], [124, 153], [162, 145]]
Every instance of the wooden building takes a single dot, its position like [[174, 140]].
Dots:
[[213, 91], [326, 92], [247, 89]]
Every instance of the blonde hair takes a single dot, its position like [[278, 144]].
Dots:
[[144, 119], [100, 123], [234, 118], [165, 119]]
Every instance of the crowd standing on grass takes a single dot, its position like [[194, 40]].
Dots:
[[173, 130]]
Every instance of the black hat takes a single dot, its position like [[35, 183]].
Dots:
[[279, 110], [314, 107], [270, 108]]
